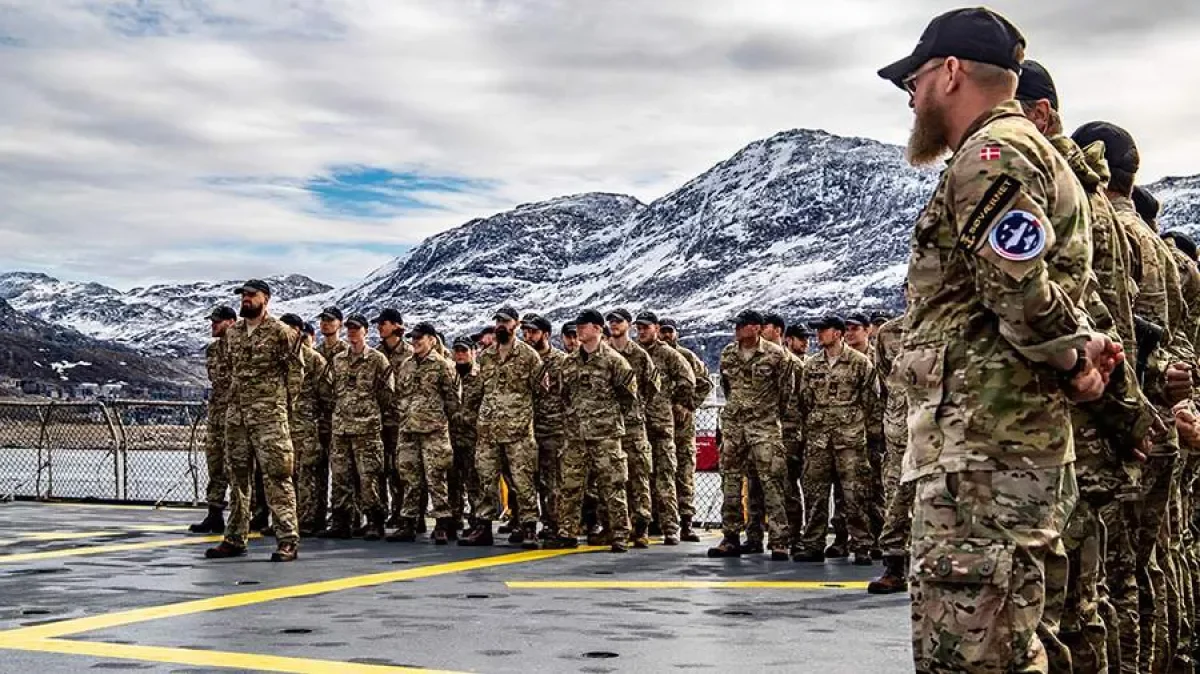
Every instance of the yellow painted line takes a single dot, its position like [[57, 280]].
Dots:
[[108, 506], [685, 585], [198, 658], [104, 549], [43, 536], [14, 638]]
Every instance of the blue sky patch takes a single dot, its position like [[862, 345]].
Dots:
[[374, 192]]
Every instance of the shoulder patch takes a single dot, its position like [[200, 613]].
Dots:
[[998, 196], [1019, 236], [989, 153]]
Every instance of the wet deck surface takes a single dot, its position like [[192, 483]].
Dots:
[[123, 588]]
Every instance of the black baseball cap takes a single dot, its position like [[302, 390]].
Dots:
[[1184, 243], [222, 313], [775, 320], [506, 313], [879, 318], [422, 329], [536, 322], [389, 316], [971, 33], [858, 319], [465, 343], [569, 329], [309, 329], [798, 331], [748, 317], [1119, 147], [589, 317], [331, 314], [831, 321], [292, 320], [253, 286], [1147, 206], [619, 315], [668, 323], [1036, 84], [356, 320], [647, 318]]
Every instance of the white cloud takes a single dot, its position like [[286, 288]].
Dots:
[[118, 125]]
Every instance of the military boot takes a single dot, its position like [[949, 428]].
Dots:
[[441, 531], [339, 528], [840, 549], [260, 520], [224, 550], [560, 543], [374, 530], [863, 558], [893, 580], [286, 552], [728, 547], [213, 523], [752, 547], [685, 531], [361, 531], [480, 536], [638, 537], [406, 533], [779, 554], [654, 529], [597, 536], [531, 537]]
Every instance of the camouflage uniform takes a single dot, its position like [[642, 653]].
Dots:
[[685, 437], [463, 437], [837, 399], [362, 389], [634, 442], [548, 430], [897, 521], [597, 388], [678, 393], [261, 363], [506, 428], [394, 486], [428, 392], [325, 433], [305, 442], [792, 423], [758, 391], [219, 378], [990, 446]]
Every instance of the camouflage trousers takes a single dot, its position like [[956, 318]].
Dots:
[[832, 456], [793, 445], [550, 448], [307, 448], [664, 500], [393, 488], [1082, 628], [897, 518], [431, 456], [604, 462], [465, 486], [641, 466], [875, 503], [756, 505], [1121, 581], [214, 457], [1178, 577], [981, 544], [356, 465], [763, 448], [518, 459], [267, 441], [685, 463], [1155, 599], [407, 478]]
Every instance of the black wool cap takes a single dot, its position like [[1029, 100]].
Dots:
[[569, 329], [1036, 84], [356, 320], [331, 314], [859, 319], [222, 313], [292, 321], [748, 317], [253, 286], [1184, 243], [832, 321], [1146, 204], [972, 33], [647, 318], [389, 316], [619, 315], [775, 320], [506, 313], [423, 329], [465, 343], [589, 317], [797, 331], [1119, 147]]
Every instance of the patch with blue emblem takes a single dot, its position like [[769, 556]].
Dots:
[[1019, 236]]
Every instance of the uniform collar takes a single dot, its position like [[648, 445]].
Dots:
[[1009, 108], [1077, 161]]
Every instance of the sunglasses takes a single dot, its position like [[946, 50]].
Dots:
[[910, 83]]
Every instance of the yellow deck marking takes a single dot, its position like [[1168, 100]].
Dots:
[[102, 549], [198, 658], [685, 585], [110, 506], [43, 536]]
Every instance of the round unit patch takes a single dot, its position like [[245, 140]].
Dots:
[[1019, 236]]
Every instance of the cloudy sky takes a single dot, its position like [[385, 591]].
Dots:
[[202, 139]]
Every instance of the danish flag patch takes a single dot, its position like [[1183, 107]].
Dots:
[[989, 153]]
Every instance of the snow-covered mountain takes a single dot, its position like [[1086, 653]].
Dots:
[[164, 320]]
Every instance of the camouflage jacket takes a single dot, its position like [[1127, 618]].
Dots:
[[328, 352], [427, 389], [648, 384], [984, 314], [793, 416], [396, 357], [759, 389], [219, 378], [463, 425], [838, 394], [362, 388], [678, 384], [312, 387], [888, 343], [1189, 276], [509, 383], [597, 389], [262, 366], [549, 412], [704, 384]]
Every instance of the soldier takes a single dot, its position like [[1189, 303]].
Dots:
[[685, 432], [837, 397], [635, 443], [261, 354], [303, 427], [570, 338], [877, 321], [897, 521], [485, 339], [773, 328], [362, 389], [678, 396], [509, 372], [331, 344], [549, 413], [220, 320], [991, 449], [858, 337], [1147, 206], [796, 340], [598, 385], [427, 387], [462, 431], [757, 379], [390, 325]]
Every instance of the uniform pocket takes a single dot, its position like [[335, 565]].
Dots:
[[922, 371]]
